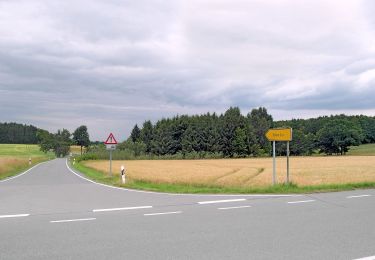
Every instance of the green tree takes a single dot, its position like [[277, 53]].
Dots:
[[147, 135], [230, 121], [336, 136], [81, 137], [261, 121], [240, 146], [135, 134], [59, 143]]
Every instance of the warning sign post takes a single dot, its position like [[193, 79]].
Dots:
[[110, 144]]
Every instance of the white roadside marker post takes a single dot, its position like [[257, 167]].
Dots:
[[29, 160], [123, 174]]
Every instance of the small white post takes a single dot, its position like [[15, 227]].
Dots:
[[123, 174], [29, 160], [74, 161]]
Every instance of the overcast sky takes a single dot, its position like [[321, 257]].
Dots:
[[111, 64]]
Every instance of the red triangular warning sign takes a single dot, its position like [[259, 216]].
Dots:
[[111, 139]]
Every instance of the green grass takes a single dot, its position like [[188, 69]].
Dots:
[[22, 150], [364, 149], [100, 177]]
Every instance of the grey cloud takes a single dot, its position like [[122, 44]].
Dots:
[[111, 64]]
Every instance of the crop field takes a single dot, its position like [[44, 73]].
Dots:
[[364, 149], [14, 158], [76, 149], [20, 150], [255, 172]]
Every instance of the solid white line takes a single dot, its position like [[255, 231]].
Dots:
[[117, 209], [72, 220], [240, 207], [366, 258], [358, 196], [183, 194], [163, 213], [19, 175], [14, 216], [301, 201], [219, 201]]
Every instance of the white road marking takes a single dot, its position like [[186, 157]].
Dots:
[[358, 196], [163, 213], [239, 207], [72, 220], [366, 258], [183, 194], [19, 175], [219, 201], [14, 216], [117, 209], [300, 201]]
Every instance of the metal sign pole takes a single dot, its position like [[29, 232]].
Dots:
[[110, 162], [274, 163], [287, 162]]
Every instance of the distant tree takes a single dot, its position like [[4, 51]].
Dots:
[[147, 135], [136, 148], [59, 143], [13, 133], [336, 136], [81, 137], [136, 134], [240, 146], [230, 121], [261, 121]]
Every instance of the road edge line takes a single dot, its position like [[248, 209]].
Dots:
[[23, 173]]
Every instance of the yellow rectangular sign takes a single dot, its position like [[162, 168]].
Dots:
[[279, 134]]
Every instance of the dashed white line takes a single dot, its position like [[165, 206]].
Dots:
[[219, 201], [163, 213], [118, 209], [300, 201], [358, 196], [239, 207], [14, 216], [72, 220], [366, 258]]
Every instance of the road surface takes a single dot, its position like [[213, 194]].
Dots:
[[52, 213]]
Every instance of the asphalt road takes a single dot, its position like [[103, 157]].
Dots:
[[51, 213]]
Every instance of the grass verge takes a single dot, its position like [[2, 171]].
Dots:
[[14, 158], [18, 166], [101, 177]]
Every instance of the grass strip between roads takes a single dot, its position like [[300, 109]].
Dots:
[[114, 180], [18, 166], [14, 158]]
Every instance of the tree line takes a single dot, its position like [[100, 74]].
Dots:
[[13, 133], [233, 134], [61, 141]]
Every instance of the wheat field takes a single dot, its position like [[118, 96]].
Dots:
[[9, 163], [252, 172]]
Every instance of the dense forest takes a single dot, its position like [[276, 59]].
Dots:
[[13, 133], [233, 134]]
